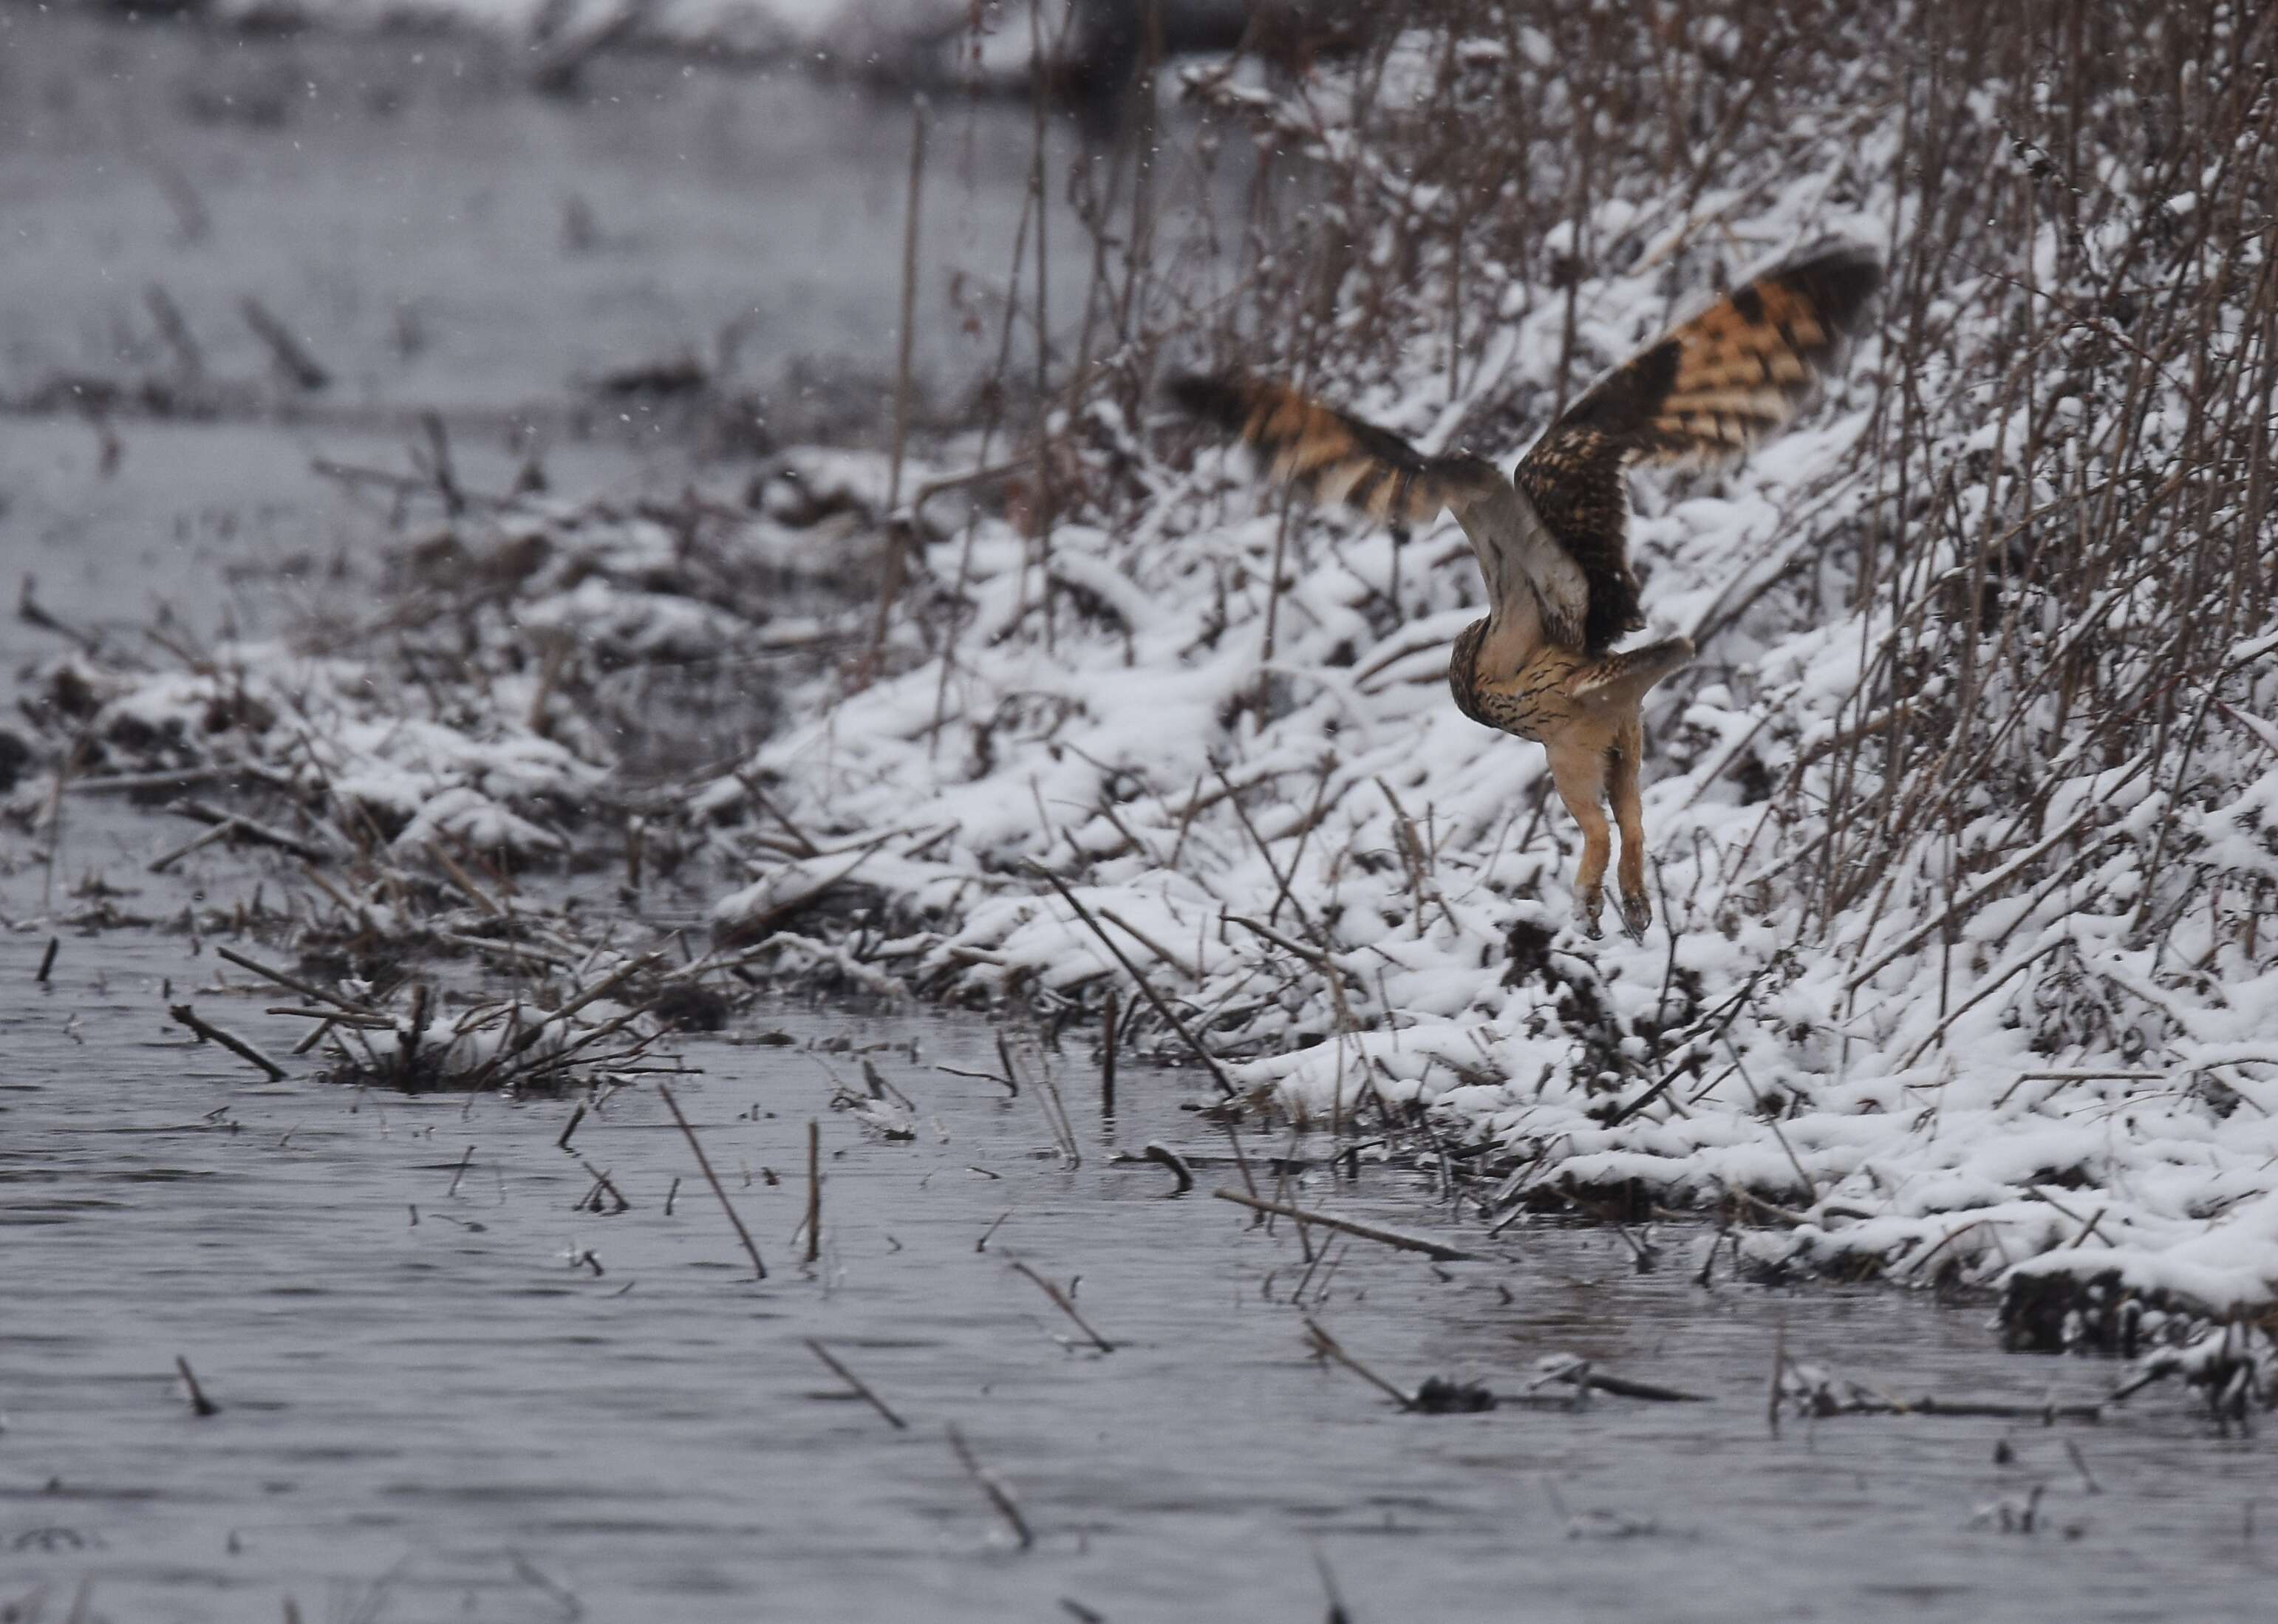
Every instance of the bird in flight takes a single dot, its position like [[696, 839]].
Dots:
[[1553, 540]]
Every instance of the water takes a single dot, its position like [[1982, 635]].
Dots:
[[463, 1418], [442, 238]]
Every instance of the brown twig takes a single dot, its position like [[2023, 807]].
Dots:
[[207, 1032], [201, 1406], [1061, 1301], [999, 1495], [1367, 1231], [862, 1388], [814, 1190], [759, 1269], [1329, 1348]]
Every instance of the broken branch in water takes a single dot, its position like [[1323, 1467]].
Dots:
[[862, 1388], [999, 1495], [1329, 1348], [294, 983], [200, 1404], [814, 1190], [1061, 1301], [292, 357], [1367, 1231], [1580, 1372], [760, 1269], [1011, 1085], [207, 1032], [601, 1181]]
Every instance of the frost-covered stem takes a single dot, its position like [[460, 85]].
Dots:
[[910, 217]]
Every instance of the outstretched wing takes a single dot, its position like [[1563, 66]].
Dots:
[[1332, 456], [1701, 394]]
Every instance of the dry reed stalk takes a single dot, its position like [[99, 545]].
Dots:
[[208, 1033], [1107, 1018], [703, 1164], [1432, 1249], [999, 1497], [1329, 1348], [862, 1388], [1060, 1300], [201, 1406], [814, 1190], [292, 357]]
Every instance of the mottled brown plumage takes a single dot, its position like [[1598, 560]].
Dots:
[[1553, 541]]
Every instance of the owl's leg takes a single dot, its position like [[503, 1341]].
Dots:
[[1622, 761], [1579, 769]]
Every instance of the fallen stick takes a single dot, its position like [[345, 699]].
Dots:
[[294, 982], [999, 1495], [1432, 1249], [1061, 1301], [703, 1162], [1931, 1406], [291, 356], [506, 949], [207, 1032], [601, 1179], [259, 833], [159, 865], [48, 959], [464, 880], [200, 1404], [814, 1190], [364, 1023], [1779, 1371], [862, 1388], [1622, 1386], [1108, 1021], [1329, 1348], [176, 330], [1011, 1084]]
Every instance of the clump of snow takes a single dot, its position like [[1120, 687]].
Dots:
[[495, 704]]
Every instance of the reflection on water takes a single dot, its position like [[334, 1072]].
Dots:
[[511, 1409]]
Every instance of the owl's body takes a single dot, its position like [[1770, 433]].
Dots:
[[1552, 540]]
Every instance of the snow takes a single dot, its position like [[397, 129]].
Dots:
[[1986, 1062]]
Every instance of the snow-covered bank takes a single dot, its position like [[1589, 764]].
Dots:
[[1962, 822]]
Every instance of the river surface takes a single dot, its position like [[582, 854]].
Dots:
[[439, 237], [513, 1409]]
